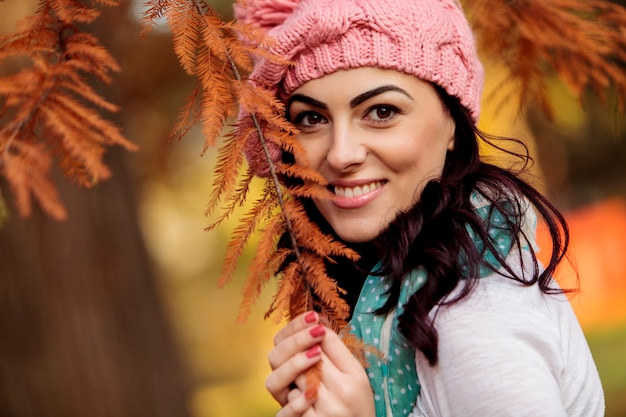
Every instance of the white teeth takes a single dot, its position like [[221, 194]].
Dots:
[[350, 192]]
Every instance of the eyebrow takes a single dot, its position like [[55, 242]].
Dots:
[[306, 99], [375, 92], [353, 103]]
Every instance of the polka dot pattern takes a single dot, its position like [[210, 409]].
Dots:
[[394, 378], [499, 235]]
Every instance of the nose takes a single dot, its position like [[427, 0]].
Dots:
[[347, 150]]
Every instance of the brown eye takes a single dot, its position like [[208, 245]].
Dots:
[[308, 119], [382, 113], [312, 119]]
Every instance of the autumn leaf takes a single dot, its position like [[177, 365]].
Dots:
[[581, 41], [49, 109]]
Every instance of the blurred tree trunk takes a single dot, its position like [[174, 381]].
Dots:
[[82, 328], [83, 331]]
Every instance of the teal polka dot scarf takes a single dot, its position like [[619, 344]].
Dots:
[[394, 377]]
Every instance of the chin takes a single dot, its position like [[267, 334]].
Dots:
[[357, 237], [351, 231]]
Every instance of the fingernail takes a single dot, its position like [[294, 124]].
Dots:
[[314, 351], [310, 317], [318, 331]]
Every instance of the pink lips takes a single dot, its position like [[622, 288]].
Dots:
[[355, 195]]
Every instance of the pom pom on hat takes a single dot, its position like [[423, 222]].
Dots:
[[265, 14], [430, 39]]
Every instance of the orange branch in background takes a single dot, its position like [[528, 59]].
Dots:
[[47, 109], [581, 41]]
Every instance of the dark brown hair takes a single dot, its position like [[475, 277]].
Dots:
[[433, 233]]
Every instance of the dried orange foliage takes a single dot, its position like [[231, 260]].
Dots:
[[48, 107], [581, 41], [219, 55]]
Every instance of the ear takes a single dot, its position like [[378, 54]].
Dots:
[[452, 133]]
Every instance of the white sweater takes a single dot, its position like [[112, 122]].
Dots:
[[509, 350]]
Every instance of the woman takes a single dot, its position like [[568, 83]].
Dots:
[[386, 95]]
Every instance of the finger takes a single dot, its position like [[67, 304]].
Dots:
[[278, 382], [339, 354], [297, 406], [297, 342], [325, 404], [341, 395], [302, 321], [310, 381]]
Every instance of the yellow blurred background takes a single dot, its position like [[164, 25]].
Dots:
[[116, 311]]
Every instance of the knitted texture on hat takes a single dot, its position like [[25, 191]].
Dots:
[[430, 39]]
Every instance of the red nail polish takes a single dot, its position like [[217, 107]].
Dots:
[[318, 331], [314, 351], [310, 317]]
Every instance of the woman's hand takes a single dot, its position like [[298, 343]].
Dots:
[[296, 349], [344, 390]]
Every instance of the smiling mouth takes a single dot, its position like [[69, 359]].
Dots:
[[350, 192]]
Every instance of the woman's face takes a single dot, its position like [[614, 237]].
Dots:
[[377, 136]]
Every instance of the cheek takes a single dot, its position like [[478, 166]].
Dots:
[[311, 151], [419, 155]]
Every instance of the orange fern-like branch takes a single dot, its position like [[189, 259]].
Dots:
[[217, 54], [45, 105], [581, 41]]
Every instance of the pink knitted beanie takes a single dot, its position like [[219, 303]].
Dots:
[[430, 39]]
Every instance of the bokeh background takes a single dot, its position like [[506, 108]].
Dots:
[[116, 311]]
